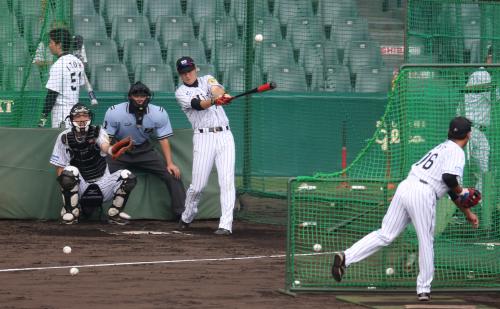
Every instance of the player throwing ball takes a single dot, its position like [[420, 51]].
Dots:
[[65, 79], [201, 99], [79, 157], [438, 172]]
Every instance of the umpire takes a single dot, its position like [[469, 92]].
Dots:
[[140, 120]]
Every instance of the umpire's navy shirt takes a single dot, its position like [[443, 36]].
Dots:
[[120, 123]]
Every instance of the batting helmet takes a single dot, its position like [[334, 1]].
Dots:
[[80, 109], [459, 128]]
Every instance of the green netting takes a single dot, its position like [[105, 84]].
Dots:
[[337, 209]]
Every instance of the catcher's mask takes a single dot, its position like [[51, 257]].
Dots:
[[76, 110], [139, 89]]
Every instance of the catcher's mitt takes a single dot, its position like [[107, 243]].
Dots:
[[469, 197], [120, 147]]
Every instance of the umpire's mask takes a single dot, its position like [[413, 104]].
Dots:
[[139, 109]]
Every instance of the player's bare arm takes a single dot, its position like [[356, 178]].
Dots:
[[167, 153]]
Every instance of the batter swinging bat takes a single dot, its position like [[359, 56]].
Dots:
[[261, 88]]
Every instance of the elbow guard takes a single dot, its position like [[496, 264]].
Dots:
[[450, 180], [196, 104]]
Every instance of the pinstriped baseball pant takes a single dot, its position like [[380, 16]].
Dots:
[[208, 148], [414, 202]]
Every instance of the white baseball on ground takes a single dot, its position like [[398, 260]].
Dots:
[[74, 271], [389, 271], [317, 247], [67, 249], [259, 37]]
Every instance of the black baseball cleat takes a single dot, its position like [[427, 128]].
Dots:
[[338, 267], [221, 231], [183, 225], [424, 296]]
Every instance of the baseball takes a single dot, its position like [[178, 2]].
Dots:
[[67, 249], [317, 247], [259, 37], [389, 271], [296, 282], [74, 271]]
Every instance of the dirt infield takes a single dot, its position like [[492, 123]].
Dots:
[[193, 269]]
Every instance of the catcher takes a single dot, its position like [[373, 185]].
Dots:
[[79, 157], [437, 173]]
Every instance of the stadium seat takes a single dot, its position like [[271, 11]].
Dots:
[[347, 29], [9, 29], [83, 7], [238, 9], [14, 52], [129, 27], [304, 30], [362, 54], [331, 54], [290, 78], [112, 8], [276, 53], [471, 23], [158, 77], [213, 30], [373, 80], [100, 52], [229, 53], [111, 78], [27, 7], [234, 78], [4, 8], [312, 55], [90, 27], [333, 78], [179, 48], [32, 27], [14, 76], [137, 52], [329, 11], [284, 10], [198, 9], [173, 28], [155, 8], [269, 27]]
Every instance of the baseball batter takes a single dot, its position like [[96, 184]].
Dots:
[[438, 172], [65, 79], [201, 99], [79, 157]]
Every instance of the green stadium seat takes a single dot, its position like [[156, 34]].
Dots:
[[90, 27], [14, 52], [331, 54], [235, 76], [155, 8], [83, 7], [471, 23], [329, 11], [137, 52], [158, 77], [198, 9], [179, 48], [32, 27], [112, 8], [129, 27], [214, 30], [312, 55], [373, 80], [269, 27], [173, 28], [276, 53], [4, 8], [362, 54], [304, 30], [347, 29], [289, 78], [14, 76], [332, 78], [27, 7], [229, 53], [9, 29], [101, 52], [111, 78], [238, 9], [284, 10]]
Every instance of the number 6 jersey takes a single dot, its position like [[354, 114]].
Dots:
[[445, 158]]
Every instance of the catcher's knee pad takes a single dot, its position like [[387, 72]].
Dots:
[[91, 199], [69, 183], [129, 181]]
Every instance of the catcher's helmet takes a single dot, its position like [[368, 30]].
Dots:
[[80, 109], [139, 89]]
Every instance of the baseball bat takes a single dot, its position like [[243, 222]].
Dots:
[[261, 88], [90, 90], [77, 52]]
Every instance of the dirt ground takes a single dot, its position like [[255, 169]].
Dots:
[[192, 269]]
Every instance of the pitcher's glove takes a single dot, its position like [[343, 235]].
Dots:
[[120, 147], [469, 197]]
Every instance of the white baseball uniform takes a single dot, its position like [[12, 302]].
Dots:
[[415, 202], [108, 183], [212, 142], [65, 78]]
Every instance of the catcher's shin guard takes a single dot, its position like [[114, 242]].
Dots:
[[69, 182], [129, 181]]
